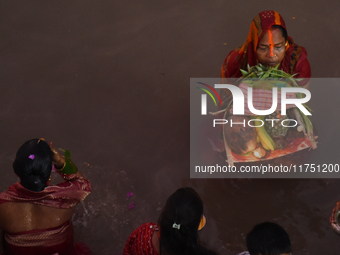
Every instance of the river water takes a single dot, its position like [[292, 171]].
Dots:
[[109, 80]]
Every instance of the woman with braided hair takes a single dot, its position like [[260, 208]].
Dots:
[[177, 229]]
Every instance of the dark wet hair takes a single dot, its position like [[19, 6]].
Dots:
[[183, 207], [33, 164], [283, 31], [268, 239]]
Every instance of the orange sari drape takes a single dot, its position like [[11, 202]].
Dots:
[[295, 59]]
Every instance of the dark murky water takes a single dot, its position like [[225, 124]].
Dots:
[[109, 80]]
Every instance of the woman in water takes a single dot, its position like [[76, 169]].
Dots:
[[268, 238], [177, 229], [268, 44], [35, 218]]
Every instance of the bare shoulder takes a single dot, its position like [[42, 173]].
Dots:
[[17, 217], [155, 240], [7, 210]]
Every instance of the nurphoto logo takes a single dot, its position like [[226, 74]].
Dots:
[[238, 99], [238, 104]]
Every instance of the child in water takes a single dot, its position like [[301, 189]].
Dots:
[[267, 239], [177, 229]]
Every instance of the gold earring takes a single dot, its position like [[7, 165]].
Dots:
[[49, 180], [202, 223]]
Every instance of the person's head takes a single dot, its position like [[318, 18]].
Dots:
[[33, 164], [267, 40], [268, 239], [271, 47], [179, 222]]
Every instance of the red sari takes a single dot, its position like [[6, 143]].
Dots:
[[295, 59], [140, 241], [57, 240]]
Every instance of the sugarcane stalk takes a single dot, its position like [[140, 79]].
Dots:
[[218, 112]]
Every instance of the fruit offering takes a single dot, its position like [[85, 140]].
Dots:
[[272, 138]]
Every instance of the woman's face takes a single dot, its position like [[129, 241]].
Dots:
[[271, 48]]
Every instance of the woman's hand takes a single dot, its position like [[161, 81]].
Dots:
[[57, 160]]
